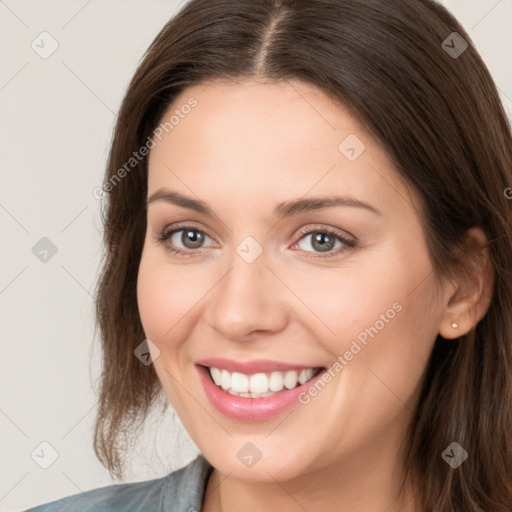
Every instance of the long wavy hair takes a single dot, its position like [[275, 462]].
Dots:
[[433, 105]]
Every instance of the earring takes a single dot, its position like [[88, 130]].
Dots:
[[454, 325]]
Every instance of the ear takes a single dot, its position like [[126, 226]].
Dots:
[[469, 295]]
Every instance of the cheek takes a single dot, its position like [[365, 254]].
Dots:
[[386, 306], [164, 303], [153, 300], [165, 297], [384, 325]]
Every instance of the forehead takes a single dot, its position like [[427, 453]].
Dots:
[[275, 140]]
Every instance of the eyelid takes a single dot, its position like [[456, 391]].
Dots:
[[183, 225], [322, 228], [305, 230]]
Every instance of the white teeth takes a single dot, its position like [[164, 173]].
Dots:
[[259, 384], [275, 383], [249, 395], [240, 382], [304, 376], [225, 379], [290, 379], [216, 375]]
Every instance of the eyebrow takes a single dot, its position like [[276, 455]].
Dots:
[[282, 210]]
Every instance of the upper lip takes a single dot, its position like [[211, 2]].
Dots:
[[251, 367]]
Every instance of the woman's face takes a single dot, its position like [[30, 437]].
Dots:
[[268, 288]]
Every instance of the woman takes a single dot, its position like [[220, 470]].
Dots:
[[308, 235]]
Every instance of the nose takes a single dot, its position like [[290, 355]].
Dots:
[[249, 301]]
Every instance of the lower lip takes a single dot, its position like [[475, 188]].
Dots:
[[251, 409]]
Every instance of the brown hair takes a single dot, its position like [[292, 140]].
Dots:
[[440, 119]]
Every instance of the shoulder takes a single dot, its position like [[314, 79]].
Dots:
[[180, 491]]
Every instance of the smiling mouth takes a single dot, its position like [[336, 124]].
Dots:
[[260, 385]]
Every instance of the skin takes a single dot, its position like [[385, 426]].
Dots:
[[245, 148]]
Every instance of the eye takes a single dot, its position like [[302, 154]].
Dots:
[[324, 240], [191, 238]]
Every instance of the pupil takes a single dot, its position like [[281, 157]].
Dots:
[[320, 237], [194, 237]]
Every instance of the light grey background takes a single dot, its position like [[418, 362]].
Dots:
[[57, 116]]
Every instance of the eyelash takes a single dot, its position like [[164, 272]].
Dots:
[[163, 236]]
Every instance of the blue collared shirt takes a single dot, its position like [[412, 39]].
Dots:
[[180, 491]]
